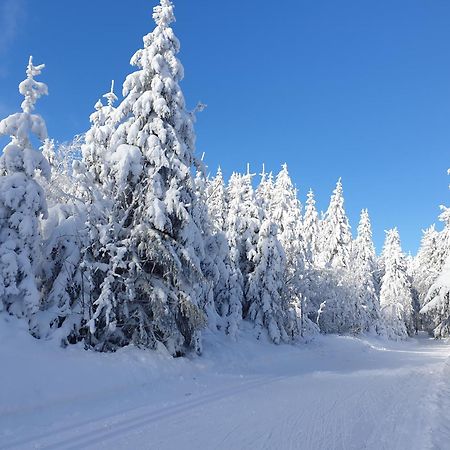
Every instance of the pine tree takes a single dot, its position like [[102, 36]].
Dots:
[[310, 230], [437, 304], [243, 223], [366, 314], [224, 308], [265, 288], [335, 236], [433, 265], [216, 201], [443, 240], [97, 139], [396, 300], [64, 305], [264, 193], [426, 264], [286, 213], [332, 292], [156, 285], [22, 203]]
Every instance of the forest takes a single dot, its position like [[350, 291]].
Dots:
[[123, 236]]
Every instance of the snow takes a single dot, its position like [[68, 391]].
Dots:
[[332, 393]]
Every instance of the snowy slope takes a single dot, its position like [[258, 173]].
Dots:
[[333, 393]]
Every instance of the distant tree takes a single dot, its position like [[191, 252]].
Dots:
[[310, 230], [216, 200], [395, 296], [436, 307], [223, 306], [264, 193], [335, 235], [265, 289], [332, 292], [243, 224], [367, 308], [426, 264]]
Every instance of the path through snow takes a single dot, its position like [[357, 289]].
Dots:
[[334, 393]]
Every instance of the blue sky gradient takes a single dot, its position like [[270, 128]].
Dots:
[[351, 89]]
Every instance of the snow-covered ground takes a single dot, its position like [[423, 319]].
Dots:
[[332, 393]]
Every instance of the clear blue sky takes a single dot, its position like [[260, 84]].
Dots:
[[350, 88]]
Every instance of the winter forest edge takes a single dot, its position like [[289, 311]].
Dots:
[[121, 237]]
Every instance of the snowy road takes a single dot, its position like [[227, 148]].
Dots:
[[336, 393]]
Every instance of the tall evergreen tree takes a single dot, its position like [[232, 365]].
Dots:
[[265, 289], [22, 203], [436, 309], [395, 296], [243, 223], [264, 193], [310, 230], [97, 139], [335, 235], [224, 308], [433, 264], [426, 264], [286, 213], [216, 201], [159, 296], [332, 275], [366, 316]]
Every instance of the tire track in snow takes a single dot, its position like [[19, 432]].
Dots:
[[440, 429], [92, 432]]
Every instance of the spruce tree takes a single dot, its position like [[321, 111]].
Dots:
[[426, 264], [286, 214], [264, 193], [332, 276], [22, 203], [396, 299], [335, 235], [310, 230], [436, 309], [95, 150], [433, 265], [366, 314], [265, 291], [156, 269], [243, 223], [216, 201]]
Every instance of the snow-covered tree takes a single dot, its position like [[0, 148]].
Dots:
[[432, 266], [443, 240], [426, 265], [216, 201], [396, 299], [335, 235], [223, 308], [264, 193], [97, 139], [366, 314], [156, 280], [265, 292], [286, 213], [22, 202], [437, 304], [242, 225], [331, 278], [310, 230]]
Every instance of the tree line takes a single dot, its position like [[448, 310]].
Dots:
[[121, 237]]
